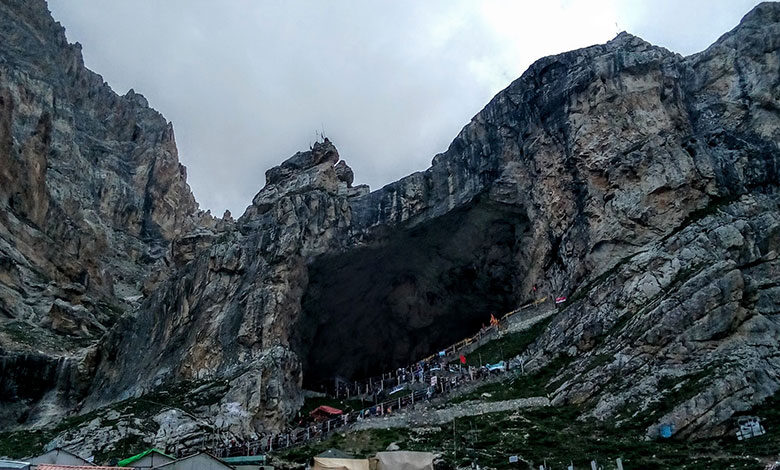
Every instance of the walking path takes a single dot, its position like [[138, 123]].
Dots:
[[433, 376], [433, 417]]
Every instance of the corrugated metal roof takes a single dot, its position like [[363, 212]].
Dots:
[[13, 464], [76, 467], [327, 409], [244, 459]]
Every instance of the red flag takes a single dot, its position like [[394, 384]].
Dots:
[[462, 359]]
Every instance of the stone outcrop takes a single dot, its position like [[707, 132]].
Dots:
[[91, 196], [641, 184]]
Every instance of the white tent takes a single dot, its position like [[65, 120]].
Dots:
[[404, 460], [333, 459]]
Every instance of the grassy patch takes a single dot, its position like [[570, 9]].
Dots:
[[551, 434], [769, 443], [520, 386], [676, 391], [19, 444], [508, 346], [24, 443], [358, 444], [123, 448], [41, 338]]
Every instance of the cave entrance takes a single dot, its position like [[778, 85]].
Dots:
[[410, 293]]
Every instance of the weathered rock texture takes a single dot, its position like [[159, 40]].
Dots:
[[91, 196], [641, 184]]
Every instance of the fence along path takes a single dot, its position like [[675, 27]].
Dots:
[[439, 380], [345, 389]]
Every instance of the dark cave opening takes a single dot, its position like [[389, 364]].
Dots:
[[411, 293]]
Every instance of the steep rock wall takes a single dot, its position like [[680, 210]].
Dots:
[[91, 195], [641, 184], [607, 152]]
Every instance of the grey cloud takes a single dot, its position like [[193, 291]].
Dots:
[[249, 83]]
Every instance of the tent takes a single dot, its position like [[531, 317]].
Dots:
[[58, 456], [14, 465], [149, 458], [333, 459], [199, 461], [45, 466], [404, 460], [321, 413]]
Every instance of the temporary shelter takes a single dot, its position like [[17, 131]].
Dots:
[[247, 462], [14, 465], [199, 461], [324, 412], [60, 457], [404, 460], [333, 459], [150, 458], [45, 466]]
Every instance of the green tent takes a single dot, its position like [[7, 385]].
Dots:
[[126, 462]]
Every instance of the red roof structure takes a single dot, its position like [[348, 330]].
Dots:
[[324, 412]]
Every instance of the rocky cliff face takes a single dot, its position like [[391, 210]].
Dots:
[[91, 196], [641, 184]]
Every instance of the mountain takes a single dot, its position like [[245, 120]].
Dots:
[[640, 184]]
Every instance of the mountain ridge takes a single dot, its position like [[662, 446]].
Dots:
[[637, 182]]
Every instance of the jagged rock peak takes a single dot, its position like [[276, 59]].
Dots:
[[313, 169], [320, 152]]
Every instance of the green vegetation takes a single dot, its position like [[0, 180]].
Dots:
[[551, 434], [41, 338], [20, 444], [25, 443], [675, 390], [507, 346], [520, 386], [359, 444], [187, 396], [122, 448]]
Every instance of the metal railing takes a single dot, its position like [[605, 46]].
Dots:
[[438, 378]]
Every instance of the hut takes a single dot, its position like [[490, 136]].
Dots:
[[14, 465], [150, 458], [46, 466], [324, 413], [199, 461], [60, 456], [333, 459], [248, 462]]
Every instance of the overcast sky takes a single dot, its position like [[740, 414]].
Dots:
[[249, 83]]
